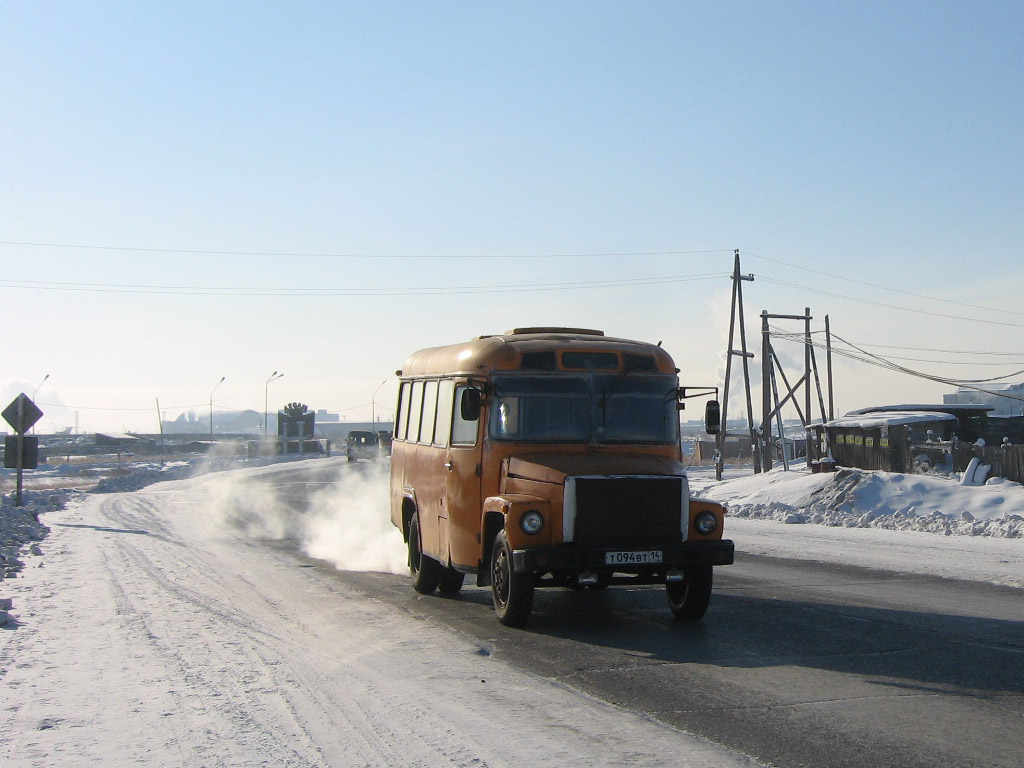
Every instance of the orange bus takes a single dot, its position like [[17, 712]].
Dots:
[[550, 457]]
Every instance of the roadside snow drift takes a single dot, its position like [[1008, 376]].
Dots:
[[855, 498]]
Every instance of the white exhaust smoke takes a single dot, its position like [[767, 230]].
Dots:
[[346, 522]]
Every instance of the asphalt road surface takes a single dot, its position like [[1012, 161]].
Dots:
[[796, 663]]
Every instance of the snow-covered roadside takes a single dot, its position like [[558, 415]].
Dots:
[[149, 633], [920, 524], [21, 529], [854, 498]]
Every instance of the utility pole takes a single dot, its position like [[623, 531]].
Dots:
[[766, 394], [736, 310], [828, 364], [807, 365], [770, 362]]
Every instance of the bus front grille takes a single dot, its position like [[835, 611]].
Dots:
[[626, 511]]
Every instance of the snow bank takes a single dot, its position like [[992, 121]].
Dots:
[[854, 498], [20, 529]]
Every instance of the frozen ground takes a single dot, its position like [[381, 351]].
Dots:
[[152, 627], [154, 630]]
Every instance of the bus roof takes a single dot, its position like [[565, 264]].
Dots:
[[535, 349]]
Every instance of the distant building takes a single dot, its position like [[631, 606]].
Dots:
[[970, 417], [1004, 399], [117, 441], [338, 431], [224, 423]]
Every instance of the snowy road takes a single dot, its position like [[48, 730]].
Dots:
[[149, 634], [152, 632], [798, 663]]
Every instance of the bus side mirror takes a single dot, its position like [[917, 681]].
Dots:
[[712, 417], [469, 406]]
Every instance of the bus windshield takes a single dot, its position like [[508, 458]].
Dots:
[[593, 407]]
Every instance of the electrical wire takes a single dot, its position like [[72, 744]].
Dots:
[[864, 356], [883, 287], [790, 336], [314, 292], [338, 255], [944, 315]]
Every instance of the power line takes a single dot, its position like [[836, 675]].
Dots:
[[864, 356], [944, 315], [946, 351], [307, 292], [1016, 355], [883, 287], [342, 255]]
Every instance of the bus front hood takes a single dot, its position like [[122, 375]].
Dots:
[[555, 467]]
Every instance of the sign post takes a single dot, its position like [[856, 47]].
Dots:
[[21, 414]]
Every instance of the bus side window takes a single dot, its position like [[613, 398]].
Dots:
[[402, 410], [415, 409], [463, 432], [443, 424], [429, 411]]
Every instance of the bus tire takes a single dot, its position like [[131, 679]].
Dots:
[[426, 571], [512, 592], [451, 582], [689, 598]]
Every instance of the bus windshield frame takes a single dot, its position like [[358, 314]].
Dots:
[[584, 407]]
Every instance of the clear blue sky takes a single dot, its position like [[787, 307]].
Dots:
[[441, 170]]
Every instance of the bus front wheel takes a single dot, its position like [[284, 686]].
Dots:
[[426, 571], [689, 598], [512, 592]]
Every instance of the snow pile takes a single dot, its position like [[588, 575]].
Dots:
[[138, 478], [854, 498], [20, 526]]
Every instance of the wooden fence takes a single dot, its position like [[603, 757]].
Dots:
[[1006, 461], [896, 452]]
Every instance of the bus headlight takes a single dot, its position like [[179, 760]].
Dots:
[[705, 523], [531, 521]]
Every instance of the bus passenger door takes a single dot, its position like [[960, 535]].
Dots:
[[462, 485]]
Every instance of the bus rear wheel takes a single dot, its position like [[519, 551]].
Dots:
[[426, 571], [451, 582], [689, 598], [512, 592]]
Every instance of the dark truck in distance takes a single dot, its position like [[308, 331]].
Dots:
[[362, 445]]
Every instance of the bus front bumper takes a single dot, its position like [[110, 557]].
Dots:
[[655, 561]]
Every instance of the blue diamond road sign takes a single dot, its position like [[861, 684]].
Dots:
[[22, 413]]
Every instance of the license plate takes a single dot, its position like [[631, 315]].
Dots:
[[643, 557]]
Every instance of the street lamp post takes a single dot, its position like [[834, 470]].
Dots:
[[34, 396], [266, 400], [40, 384], [373, 402], [211, 405]]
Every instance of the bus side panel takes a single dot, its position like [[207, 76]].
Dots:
[[463, 500], [415, 474], [426, 475], [397, 489]]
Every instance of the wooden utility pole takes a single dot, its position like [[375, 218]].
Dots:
[[828, 364], [766, 394], [736, 311], [807, 364], [768, 384]]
